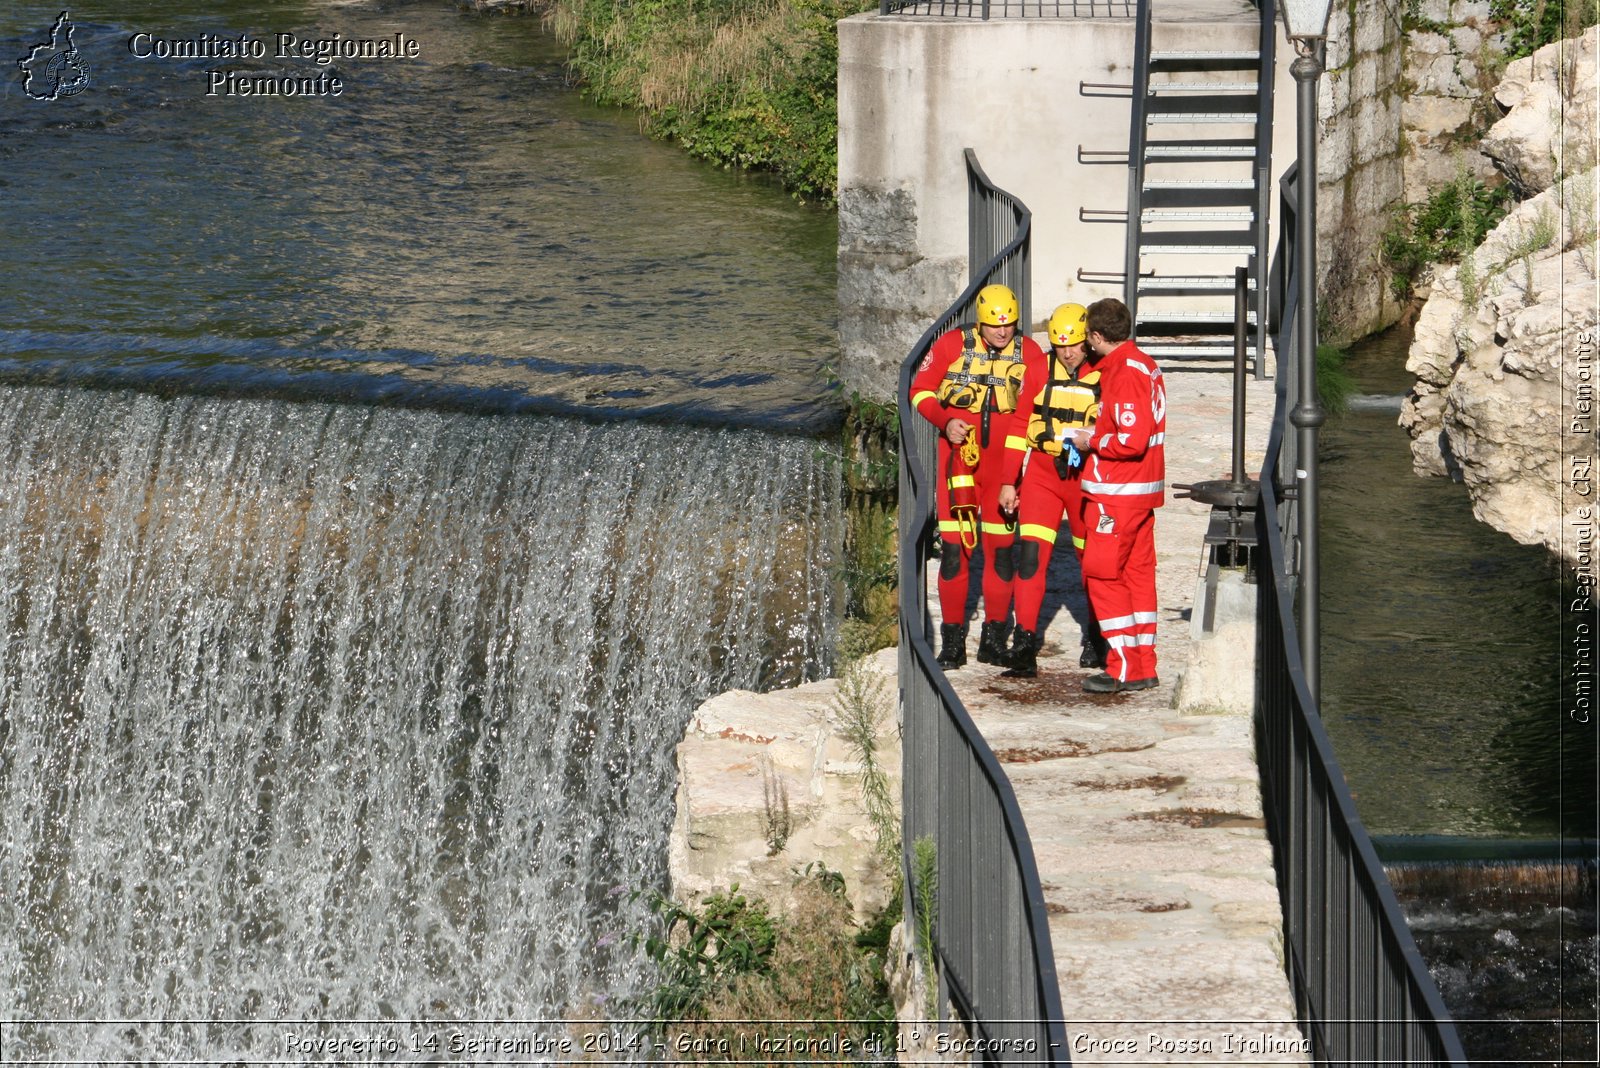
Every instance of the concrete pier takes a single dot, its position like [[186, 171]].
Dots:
[[1145, 808]]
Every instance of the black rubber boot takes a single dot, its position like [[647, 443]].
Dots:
[[952, 645], [1094, 647], [1104, 683], [992, 643], [1024, 661]]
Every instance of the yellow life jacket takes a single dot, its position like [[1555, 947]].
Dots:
[[1065, 403], [983, 379]]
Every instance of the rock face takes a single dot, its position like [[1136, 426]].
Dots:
[[769, 783], [1550, 124], [1503, 370]]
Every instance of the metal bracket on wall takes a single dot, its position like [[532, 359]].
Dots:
[[1107, 277]]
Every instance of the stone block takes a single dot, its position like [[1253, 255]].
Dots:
[[877, 220]]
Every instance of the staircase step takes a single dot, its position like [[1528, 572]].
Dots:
[[1189, 285], [1212, 88], [1162, 215], [1220, 350], [1192, 151], [1209, 242], [1197, 61], [1198, 194], [1203, 109], [1186, 324]]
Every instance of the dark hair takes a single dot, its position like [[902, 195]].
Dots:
[[1110, 319]]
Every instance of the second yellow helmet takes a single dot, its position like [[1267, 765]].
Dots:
[[1069, 324], [997, 306]]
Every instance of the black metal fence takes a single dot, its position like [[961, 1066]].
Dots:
[[991, 937], [1011, 9], [1362, 991]]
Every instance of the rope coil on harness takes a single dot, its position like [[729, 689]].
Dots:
[[961, 481]]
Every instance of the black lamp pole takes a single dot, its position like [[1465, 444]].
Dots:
[[1308, 415]]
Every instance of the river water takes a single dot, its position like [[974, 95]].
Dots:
[[384, 478], [1442, 693]]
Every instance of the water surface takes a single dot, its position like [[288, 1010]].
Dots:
[[457, 229]]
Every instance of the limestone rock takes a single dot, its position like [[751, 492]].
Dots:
[[768, 783], [1497, 361], [1549, 127]]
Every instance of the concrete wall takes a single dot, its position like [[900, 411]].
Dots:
[[913, 92]]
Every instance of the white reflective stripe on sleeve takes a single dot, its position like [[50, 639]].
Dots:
[[1141, 368], [1158, 438], [1144, 617], [1120, 623], [1144, 639], [1122, 489]]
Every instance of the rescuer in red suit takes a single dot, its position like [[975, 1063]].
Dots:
[[1124, 481], [970, 387], [1067, 400]]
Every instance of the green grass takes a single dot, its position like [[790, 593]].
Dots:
[[735, 82]]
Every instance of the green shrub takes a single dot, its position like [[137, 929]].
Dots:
[[811, 965], [706, 949], [1445, 228], [1532, 24], [1334, 382], [734, 82]]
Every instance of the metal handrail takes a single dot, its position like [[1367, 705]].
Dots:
[[1267, 49], [991, 932], [1362, 991], [1138, 133]]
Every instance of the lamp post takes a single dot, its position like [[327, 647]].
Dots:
[[1306, 25]]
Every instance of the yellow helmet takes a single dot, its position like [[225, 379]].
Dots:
[[997, 306], [1069, 324]]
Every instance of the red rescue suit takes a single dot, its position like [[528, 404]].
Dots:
[[1124, 481], [962, 378], [1051, 484]]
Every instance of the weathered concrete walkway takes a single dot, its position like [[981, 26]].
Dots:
[[1146, 821]]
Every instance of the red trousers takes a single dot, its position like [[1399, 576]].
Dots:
[[995, 535], [1046, 496], [1121, 543]]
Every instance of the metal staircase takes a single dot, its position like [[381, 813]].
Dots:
[[1199, 162]]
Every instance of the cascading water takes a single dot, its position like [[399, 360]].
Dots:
[[314, 712]]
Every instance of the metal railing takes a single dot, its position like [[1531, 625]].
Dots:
[[1362, 991], [991, 934], [1011, 9]]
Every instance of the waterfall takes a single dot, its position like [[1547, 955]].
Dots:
[[312, 712]]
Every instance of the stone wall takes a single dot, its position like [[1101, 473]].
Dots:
[[1360, 176], [1450, 57]]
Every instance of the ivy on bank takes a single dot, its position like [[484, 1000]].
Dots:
[[734, 82]]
